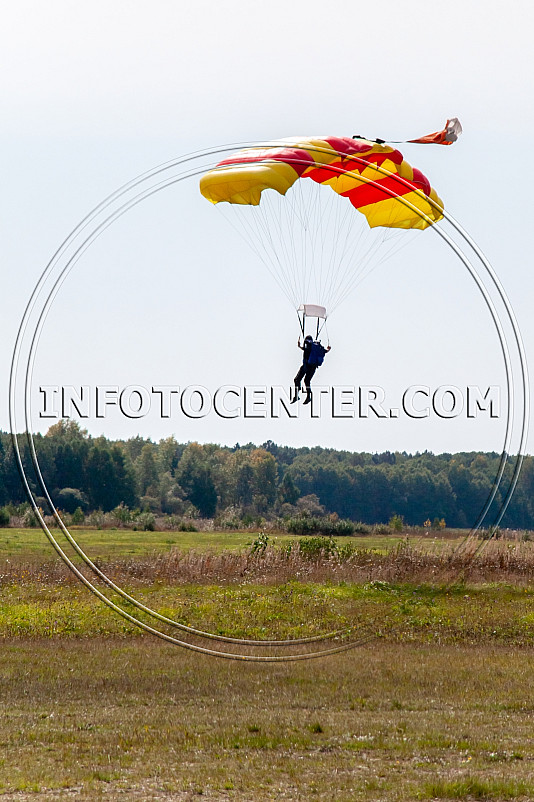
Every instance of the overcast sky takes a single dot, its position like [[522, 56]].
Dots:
[[96, 94]]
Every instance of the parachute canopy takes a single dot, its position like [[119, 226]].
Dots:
[[374, 177], [318, 244]]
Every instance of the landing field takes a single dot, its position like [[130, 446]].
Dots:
[[437, 706], [127, 542], [119, 718]]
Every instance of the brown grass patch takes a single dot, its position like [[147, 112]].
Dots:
[[411, 561]]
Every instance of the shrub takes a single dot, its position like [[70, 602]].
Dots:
[[315, 548], [231, 523], [42, 504], [121, 514], [489, 533], [302, 526], [5, 517], [151, 503], [30, 519], [147, 522], [381, 529], [97, 519], [396, 523], [230, 518], [68, 498], [319, 526], [310, 506], [77, 516], [360, 528], [177, 524], [260, 544], [346, 551], [187, 527], [345, 527]]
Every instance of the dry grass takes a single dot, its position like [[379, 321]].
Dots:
[[412, 561]]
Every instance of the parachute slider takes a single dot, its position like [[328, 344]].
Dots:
[[312, 310]]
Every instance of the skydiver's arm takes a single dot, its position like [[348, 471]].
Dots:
[[300, 346]]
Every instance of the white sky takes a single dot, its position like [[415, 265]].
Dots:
[[96, 94]]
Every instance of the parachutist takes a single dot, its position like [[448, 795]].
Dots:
[[312, 358]]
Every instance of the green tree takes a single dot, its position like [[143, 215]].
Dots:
[[288, 492], [147, 472], [70, 498], [110, 480], [194, 474]]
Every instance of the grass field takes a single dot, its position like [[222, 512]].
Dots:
[[438, 706], [107, 543], [105, 718]]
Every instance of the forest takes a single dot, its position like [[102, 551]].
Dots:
[[245, 482]]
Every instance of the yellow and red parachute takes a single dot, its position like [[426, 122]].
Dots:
[[373, 177]]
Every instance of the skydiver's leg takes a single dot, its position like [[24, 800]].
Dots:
[[300, 375], [298, 378], [308, 376]]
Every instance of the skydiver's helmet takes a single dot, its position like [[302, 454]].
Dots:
[[308, 338]]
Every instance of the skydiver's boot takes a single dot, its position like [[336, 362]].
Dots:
[[296, 394], [308, 396]]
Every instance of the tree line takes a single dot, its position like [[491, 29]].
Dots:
[[247, 481]]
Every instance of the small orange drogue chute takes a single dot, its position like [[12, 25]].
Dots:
[[447, 136]]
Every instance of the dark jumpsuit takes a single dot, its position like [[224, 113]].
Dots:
[[306, 371]]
